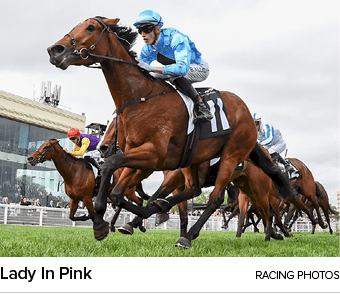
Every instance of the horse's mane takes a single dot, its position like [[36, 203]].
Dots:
[[126, 36], [69, 156]]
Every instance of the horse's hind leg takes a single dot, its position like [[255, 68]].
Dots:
[[182, 207], [73, 210], [275, 206], [193, 233], [299, 205], [114, 219], [324, 208], [232, 215]]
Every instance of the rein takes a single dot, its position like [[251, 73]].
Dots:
[[43, 155], [88, 53]]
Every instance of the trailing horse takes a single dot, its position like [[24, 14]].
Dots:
[[78, 177], [323, 201], [154, 120], [305, 186]]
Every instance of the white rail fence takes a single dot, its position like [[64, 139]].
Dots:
[[45, 216]]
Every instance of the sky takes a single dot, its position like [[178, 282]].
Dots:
[[280, 57]]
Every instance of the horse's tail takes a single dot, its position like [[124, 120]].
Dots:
[[320, 191], [263, 161]]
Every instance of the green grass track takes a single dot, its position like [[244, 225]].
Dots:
[[34, 241]]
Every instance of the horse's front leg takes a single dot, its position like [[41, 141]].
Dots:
[[101, 227], [243, 203]]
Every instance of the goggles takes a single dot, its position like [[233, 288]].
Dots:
[[146, 29], [73, 138]]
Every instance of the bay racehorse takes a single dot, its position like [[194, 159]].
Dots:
[[323, 200], [78, 177], [305, 186], [154, 122]]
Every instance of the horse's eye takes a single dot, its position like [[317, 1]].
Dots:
[[90, 28], [45, 147]]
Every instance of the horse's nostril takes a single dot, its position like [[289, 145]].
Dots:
[[103, 148], [56, 49]]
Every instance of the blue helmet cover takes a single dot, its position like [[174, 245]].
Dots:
[[149, 17]]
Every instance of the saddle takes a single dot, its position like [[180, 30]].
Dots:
[[288, 168], [218, 126], [291, 170]]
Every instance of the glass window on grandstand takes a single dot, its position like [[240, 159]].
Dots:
[[18, 179]]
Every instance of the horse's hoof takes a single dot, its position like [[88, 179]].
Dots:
[[183, 243], [113, 229], [126, 229], [162, 204], [224, 226], [101, 231], [161, 218], [142, 228], [277, 236]]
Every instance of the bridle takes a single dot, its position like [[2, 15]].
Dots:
[[42, 159], [85, 53]]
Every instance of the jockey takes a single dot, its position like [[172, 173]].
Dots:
[[85, 146], [270, 138], [181, 59]]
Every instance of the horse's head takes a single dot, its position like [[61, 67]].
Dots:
[[43, 153], [86, 38]]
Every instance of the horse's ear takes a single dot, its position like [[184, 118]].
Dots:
[[111, 22]]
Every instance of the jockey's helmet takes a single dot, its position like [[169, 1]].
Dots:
[[256, 117], [148, 17], [73, 132]]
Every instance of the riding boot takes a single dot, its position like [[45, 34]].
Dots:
[[278, 159], [95, 164], [201, 110]]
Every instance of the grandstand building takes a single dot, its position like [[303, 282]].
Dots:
[[24, 126]]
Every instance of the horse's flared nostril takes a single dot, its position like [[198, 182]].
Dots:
[[55, 50], [103, 148]]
